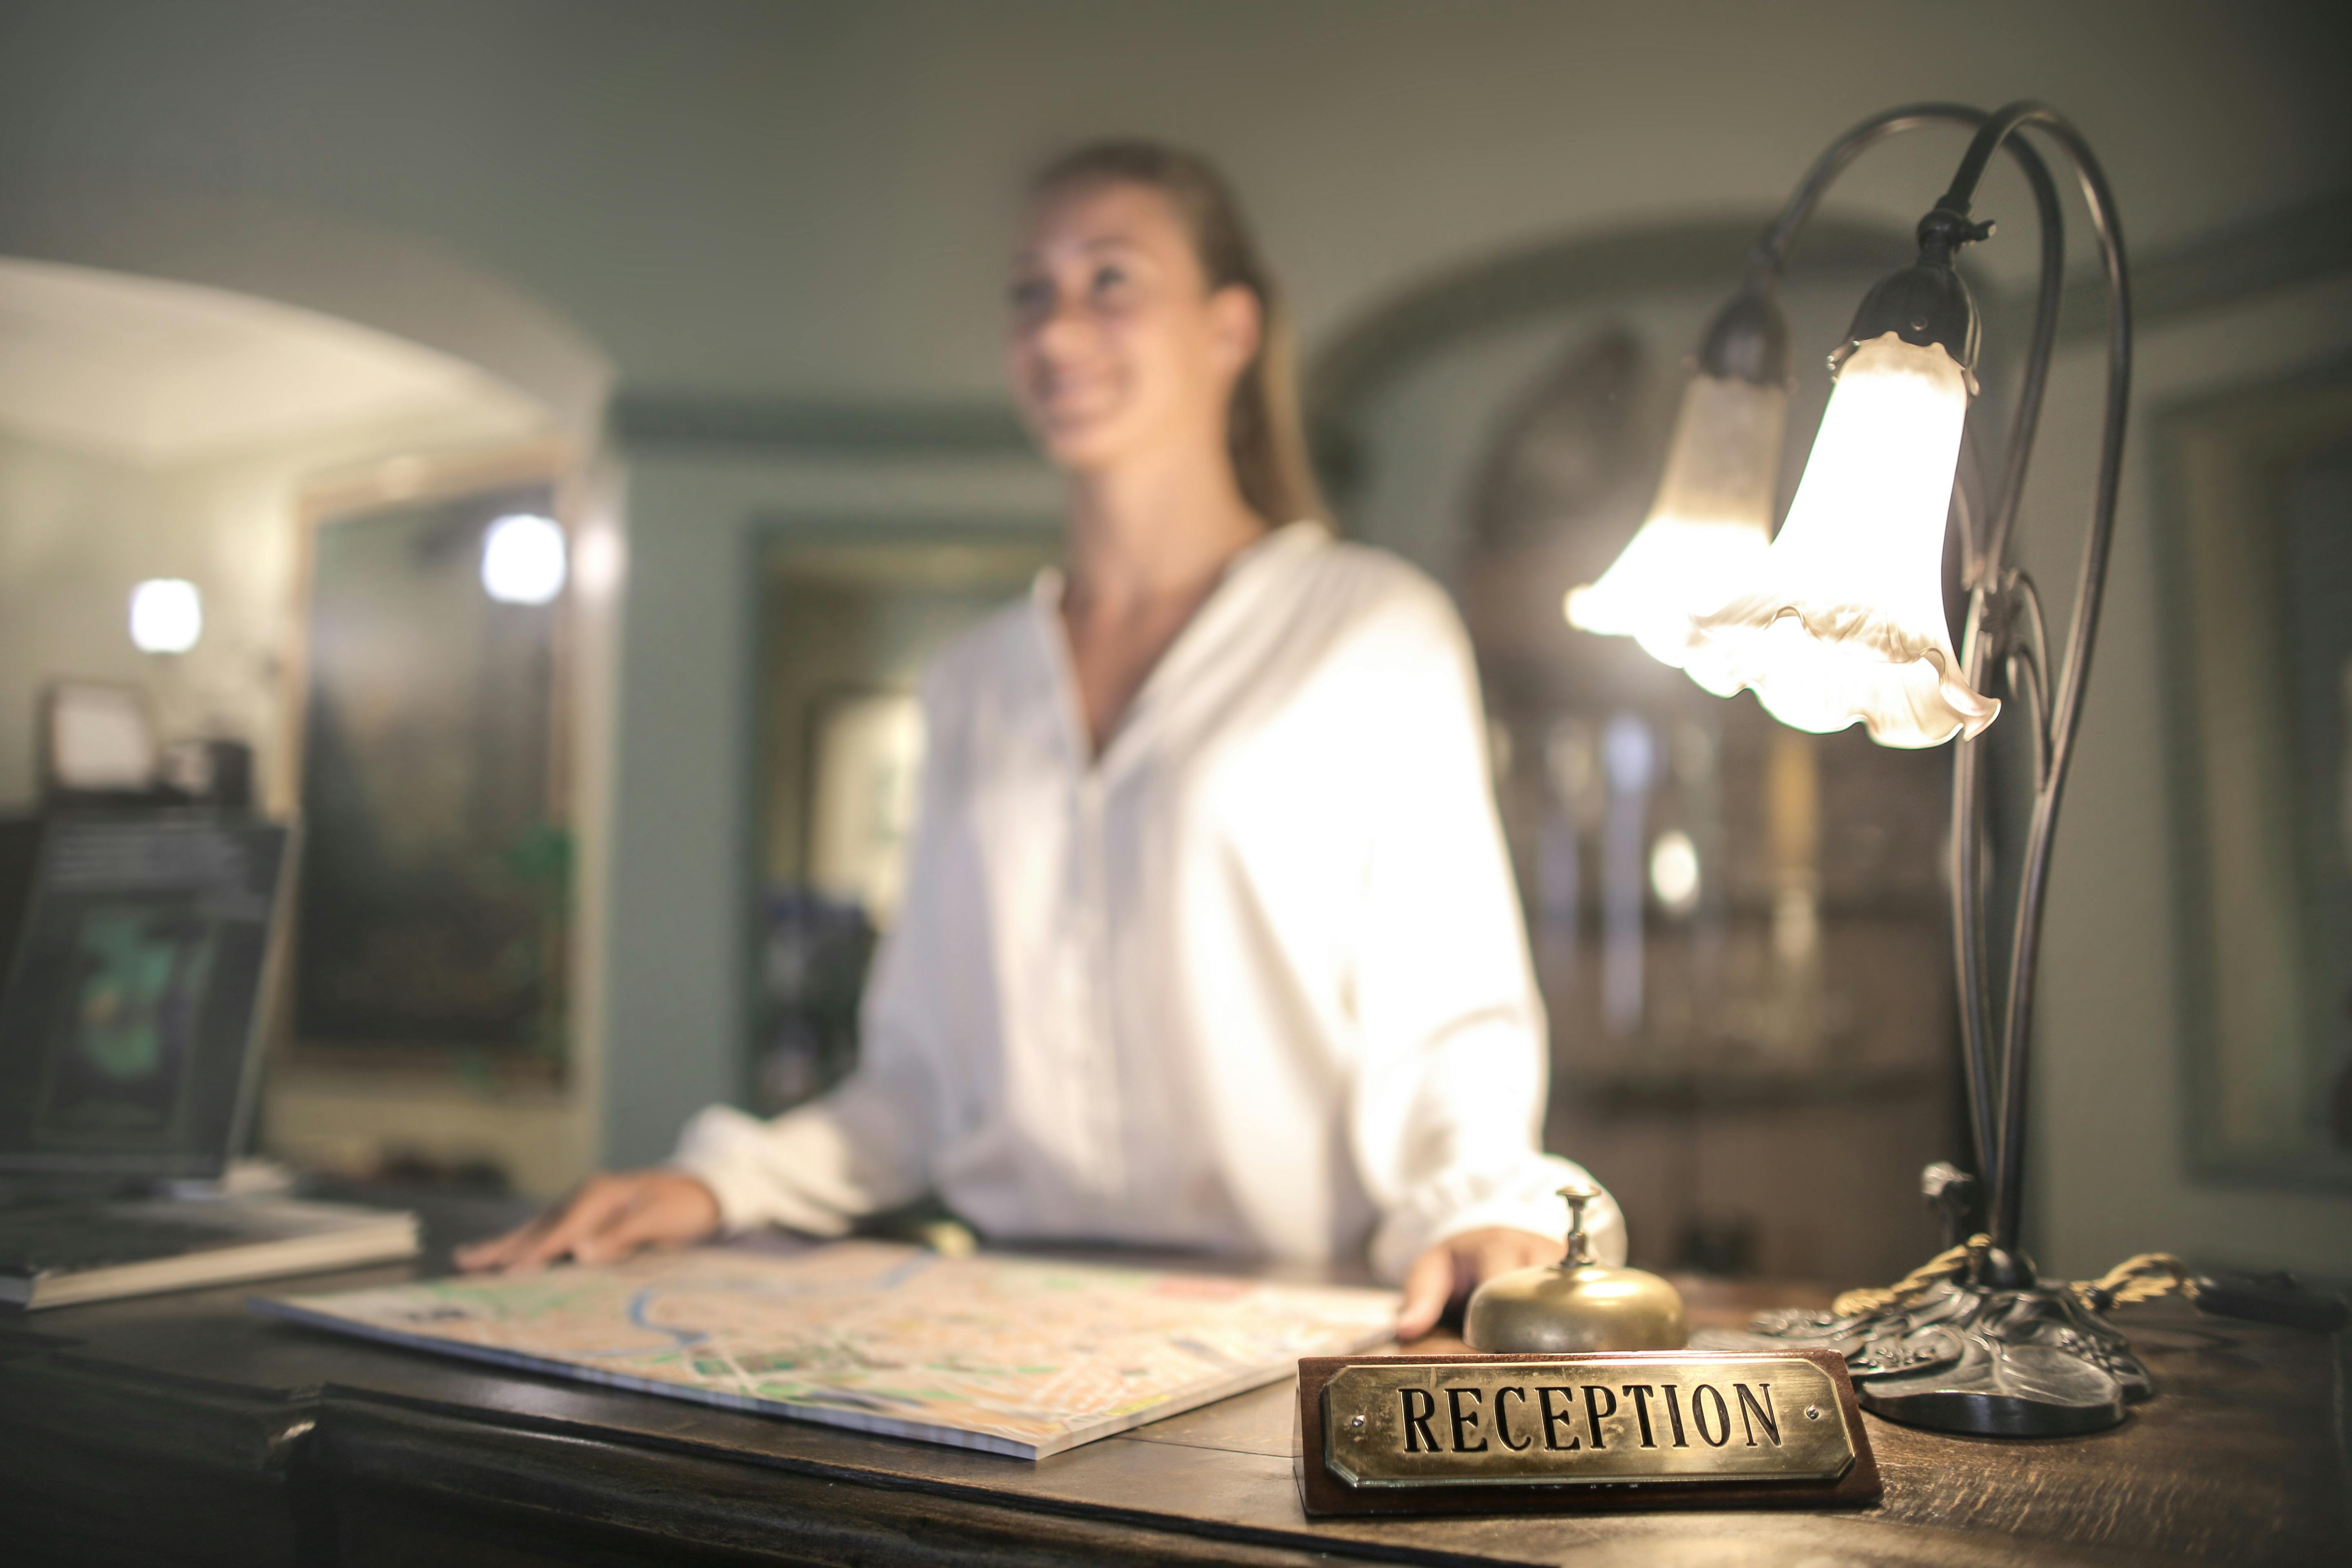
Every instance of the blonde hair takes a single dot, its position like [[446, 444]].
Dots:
[[1265, 436]]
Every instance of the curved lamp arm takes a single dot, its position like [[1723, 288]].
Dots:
[[2065, 704]]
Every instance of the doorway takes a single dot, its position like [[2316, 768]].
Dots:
[[847, 621]]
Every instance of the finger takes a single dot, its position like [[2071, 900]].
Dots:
[[633, 1225], [496, 1251], [586, 1213], [1507, 1253], [472, 1256], [1428, 1286]]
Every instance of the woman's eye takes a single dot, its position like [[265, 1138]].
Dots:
[[1109, 279], [1032, 295]]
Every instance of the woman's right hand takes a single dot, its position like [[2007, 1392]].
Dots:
[[608, 1217]]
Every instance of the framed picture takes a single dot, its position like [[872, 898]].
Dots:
[[2258, 592], [98, 743], [866, 758], [427, 708]]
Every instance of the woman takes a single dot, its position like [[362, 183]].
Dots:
[[1209, 939]]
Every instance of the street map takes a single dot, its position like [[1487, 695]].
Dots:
[[1015, 1356]]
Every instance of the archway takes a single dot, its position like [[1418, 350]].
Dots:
[[176, 377]]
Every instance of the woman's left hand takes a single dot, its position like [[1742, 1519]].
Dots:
[[1449, 1271]]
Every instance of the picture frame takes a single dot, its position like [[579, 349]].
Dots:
[[2255, 587]]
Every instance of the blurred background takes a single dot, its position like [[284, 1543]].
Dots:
[[571, 425]]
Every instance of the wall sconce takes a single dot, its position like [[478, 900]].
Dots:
[[167, 615], [1841, 621], [523, 559]]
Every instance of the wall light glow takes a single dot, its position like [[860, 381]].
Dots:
[[167, 615], [1673, 871], [523, 560]]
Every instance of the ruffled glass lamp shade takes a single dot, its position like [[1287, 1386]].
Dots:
[[1707, 531], [1844, 621]]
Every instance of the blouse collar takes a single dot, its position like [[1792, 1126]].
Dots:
[[1239, 588]]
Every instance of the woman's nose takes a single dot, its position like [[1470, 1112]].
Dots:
[[1062, 327]]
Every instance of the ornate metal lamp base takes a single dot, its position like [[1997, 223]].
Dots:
[[2025, 1361]]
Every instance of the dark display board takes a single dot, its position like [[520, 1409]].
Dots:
[[132, 984]]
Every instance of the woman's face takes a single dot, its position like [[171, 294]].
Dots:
[[1119, 350]]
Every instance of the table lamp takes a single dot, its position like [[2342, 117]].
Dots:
[[1841, 620]]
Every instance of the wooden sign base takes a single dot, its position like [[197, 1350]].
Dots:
[[1575, 1433]]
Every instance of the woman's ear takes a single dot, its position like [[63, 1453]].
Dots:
[[1238, 321]]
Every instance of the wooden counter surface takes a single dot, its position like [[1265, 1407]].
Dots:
[[183, 1428]]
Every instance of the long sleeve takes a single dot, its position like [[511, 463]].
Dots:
[[1448, 1101], [868, 1144]]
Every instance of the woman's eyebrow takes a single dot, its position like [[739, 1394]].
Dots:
[[1095, 247], [1039, 261]]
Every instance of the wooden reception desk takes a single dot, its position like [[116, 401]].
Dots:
[[184, 1429]]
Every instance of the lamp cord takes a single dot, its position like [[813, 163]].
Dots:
[[2143, 1276]]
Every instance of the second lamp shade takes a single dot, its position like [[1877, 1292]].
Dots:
[[1709, 528]]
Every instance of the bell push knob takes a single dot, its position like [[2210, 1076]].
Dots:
[[1577, 1304]]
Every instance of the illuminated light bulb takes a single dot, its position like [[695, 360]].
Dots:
[[523, 560], [167, 615], [1709, 528], [1845, 622]]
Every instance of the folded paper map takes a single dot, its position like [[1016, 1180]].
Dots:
[[1015, 1355]]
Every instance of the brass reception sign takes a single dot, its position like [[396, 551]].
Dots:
[[1602, 1418], [1414, 1434]]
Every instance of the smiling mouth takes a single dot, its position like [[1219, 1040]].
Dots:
[[1071, 398]]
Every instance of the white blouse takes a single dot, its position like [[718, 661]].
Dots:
[[1252, 981]]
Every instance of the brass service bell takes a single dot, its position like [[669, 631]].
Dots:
[[1575, 1305]]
